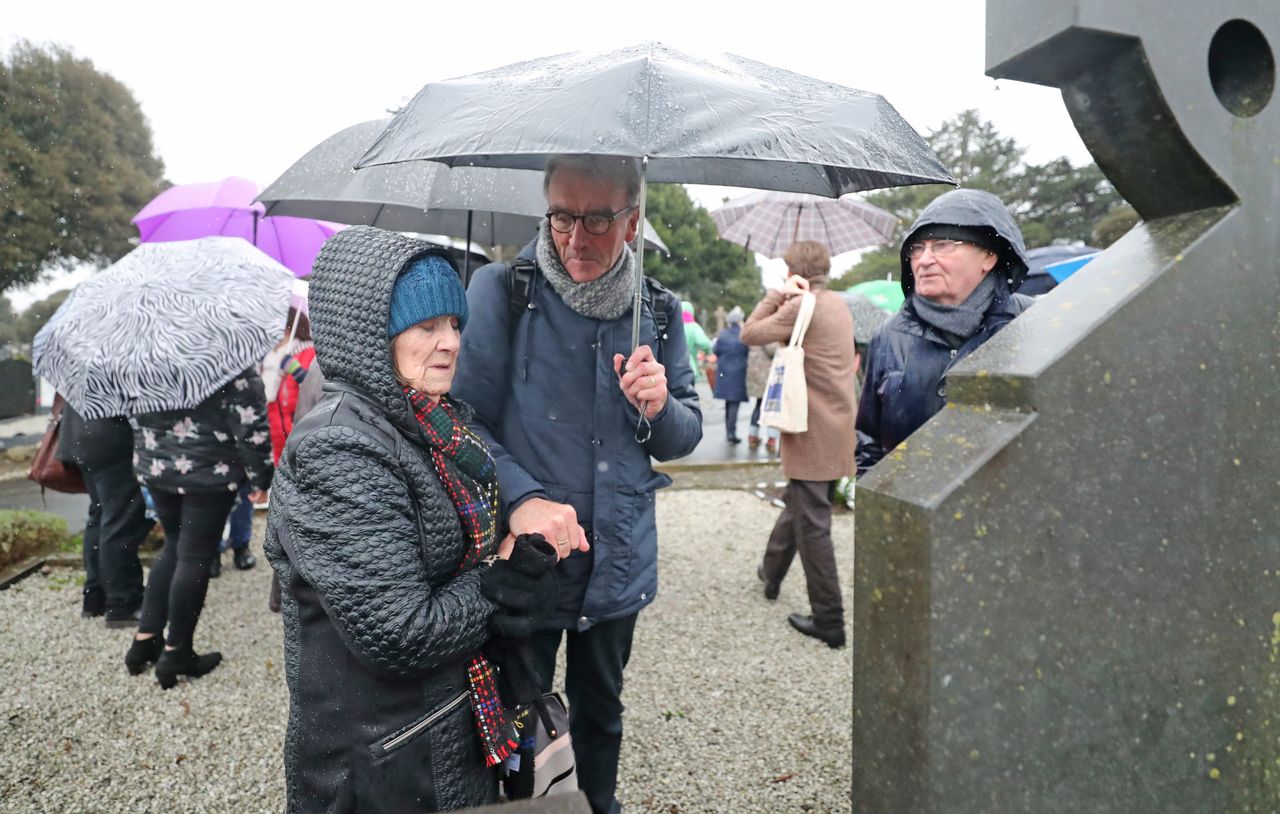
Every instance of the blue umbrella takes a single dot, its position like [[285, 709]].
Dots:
[[1065, 268], [1038, 279]]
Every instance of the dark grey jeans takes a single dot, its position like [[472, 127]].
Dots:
[[804, 528], [117, 524]]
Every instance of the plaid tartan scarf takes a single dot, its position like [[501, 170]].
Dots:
[[466, 469]]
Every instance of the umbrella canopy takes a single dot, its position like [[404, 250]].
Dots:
[[886, 294], [1063, 269], [491, 206], [226, 207], [164, 327], [769, 222], [729, 121], [867, 316], [1038, 279]]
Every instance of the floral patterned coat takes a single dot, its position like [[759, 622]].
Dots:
[[215, 446]]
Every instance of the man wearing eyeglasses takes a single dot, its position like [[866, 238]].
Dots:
[[962, 261], [573, 417]]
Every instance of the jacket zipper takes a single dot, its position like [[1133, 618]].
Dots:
[[424, 723]]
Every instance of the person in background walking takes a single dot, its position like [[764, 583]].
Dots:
[[193, 462], [815, 460], [731, 372], [696, 338], [117, 524], [759, 360]]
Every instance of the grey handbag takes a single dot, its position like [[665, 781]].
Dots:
[[544, 764]]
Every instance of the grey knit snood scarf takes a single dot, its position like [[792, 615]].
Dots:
[[607, 297], [957, 323]]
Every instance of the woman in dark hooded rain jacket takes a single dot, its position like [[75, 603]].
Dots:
[[383, 530], [962, 261]]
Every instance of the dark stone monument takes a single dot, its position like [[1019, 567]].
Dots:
[[1067, 584]]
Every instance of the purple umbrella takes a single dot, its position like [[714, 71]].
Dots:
[[226, 207]]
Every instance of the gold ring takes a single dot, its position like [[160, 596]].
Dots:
[[653, 382]]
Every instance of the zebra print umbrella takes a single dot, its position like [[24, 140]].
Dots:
[[164, 327]]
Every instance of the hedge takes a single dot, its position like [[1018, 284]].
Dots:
[[25, 533]]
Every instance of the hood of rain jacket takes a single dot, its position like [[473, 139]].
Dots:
[[973, 208], [379, 624]]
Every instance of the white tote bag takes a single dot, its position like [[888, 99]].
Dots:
[[786, 398]]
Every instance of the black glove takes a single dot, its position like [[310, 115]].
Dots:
[[524, 587], [518, 680]]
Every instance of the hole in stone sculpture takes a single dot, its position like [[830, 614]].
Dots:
[[1241, 68]]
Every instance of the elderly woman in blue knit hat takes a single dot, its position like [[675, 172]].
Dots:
[[384, 532]]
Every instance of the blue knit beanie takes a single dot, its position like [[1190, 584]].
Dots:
[[427, 288]]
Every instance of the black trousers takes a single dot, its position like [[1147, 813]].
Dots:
[[180, 575], [594, 661], [117, 524], [731, 418], [804, 527]]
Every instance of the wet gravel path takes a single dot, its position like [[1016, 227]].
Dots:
[[728, 709]]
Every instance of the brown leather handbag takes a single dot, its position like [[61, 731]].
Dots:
[[46, 469]]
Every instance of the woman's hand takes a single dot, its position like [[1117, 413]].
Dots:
[[258, 496], [794, 285], [524, 586]]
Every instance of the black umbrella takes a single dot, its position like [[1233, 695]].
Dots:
[[487, 205], [728, 121]]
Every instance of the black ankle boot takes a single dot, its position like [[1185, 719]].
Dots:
[[143, 652], [243, 559], [184, 661]]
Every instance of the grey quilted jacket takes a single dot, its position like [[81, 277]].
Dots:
[[379, 627]]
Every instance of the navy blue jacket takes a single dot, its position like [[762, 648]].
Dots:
[[906, 375], [548, 403], [731, 365]]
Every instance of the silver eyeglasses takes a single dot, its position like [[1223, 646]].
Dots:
[[940, 248]]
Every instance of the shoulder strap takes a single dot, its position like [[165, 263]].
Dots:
[[660, 299], [520, 293], [807, 302], [519, 286]]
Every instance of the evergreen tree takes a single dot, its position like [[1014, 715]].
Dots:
[[702, 268], [75, 164], [1050, 202]]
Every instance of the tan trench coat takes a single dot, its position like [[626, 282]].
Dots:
[[825, 452]]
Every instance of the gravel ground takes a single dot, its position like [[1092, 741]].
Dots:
[[728, 709]]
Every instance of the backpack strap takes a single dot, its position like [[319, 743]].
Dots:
[[660, 299], [520, 293], [519, 287]]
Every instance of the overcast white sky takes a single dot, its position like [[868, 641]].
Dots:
[[245, 88]]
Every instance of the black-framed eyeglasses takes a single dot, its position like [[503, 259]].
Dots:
[[940, 248], [594, 223]]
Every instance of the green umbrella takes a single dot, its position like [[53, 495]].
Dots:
[[887, 294]]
